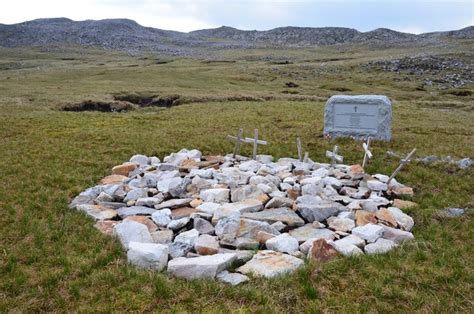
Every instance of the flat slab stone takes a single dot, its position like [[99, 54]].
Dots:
[[233, 279], [284, 215], [307, 232], [132, 231], [271, 264], [200, 267], [148, 255], [134, 211], [358, 116]]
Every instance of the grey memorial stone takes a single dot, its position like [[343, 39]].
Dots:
[[358, 116]]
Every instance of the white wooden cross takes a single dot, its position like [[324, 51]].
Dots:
[[367, 153], [335, 158], [300, 151], [400, 166], [238, 139], [255, 142]]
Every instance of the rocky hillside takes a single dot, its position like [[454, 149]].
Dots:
[[128, 35]]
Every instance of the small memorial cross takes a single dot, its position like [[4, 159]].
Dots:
[[238, 140], [255, 142], [367, 153], [402, 163], [300, 151], [335, 158]]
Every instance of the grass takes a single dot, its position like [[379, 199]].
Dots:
[[52, 258]]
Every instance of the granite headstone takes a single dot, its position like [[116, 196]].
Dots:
[[359, 116]]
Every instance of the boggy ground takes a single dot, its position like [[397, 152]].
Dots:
[[52, 258]]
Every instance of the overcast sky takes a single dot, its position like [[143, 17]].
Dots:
[[414, 16]]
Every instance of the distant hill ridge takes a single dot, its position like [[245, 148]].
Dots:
[[125, 34]]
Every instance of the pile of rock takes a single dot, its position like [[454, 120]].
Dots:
[[462, 163], [197, 215]]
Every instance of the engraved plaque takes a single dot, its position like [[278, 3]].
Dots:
[[358, 116]]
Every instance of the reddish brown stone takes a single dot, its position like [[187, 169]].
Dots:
[[124, 169], [264, 198], [106, 226], [263, 236], [218, 159], [321, 251], [356, 169], [401, 204], [113, 179], [403, 191], [144, 221], [386, 217], [188, 164], [364, 217], [182, 212], [195, 202], [293, 194]]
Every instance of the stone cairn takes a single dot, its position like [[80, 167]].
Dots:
[[195, 215]]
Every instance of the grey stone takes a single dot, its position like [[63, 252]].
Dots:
[[248, 228], [124, 212], [403, 220], [242, 256], [188, 237], [369, 206], [283, 243], [241, 244], [376, 185], [131, 231], [368, 232], [320, 172], [178, 223], [135, 194], [203, 226], [202, 173], [227, 228], [311, 189], [97, 212], [140, 160], [333, 182], [346, 249], [320, 210], [162, 236], [150, 201], [174, 203], [465, 163], [200, 267], [233, 279], [396, 235], [161, 217], [245, 192], [454, 212], [380, 246], [148, 255], [341, 224], [206, 245], [251, 165], [179, 249], [265, 159], [104, 197], [168, 185], [358, 116], [208, 207], [278, 202], [215, 195], [274, 215], [353, 240], [278, 226]]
